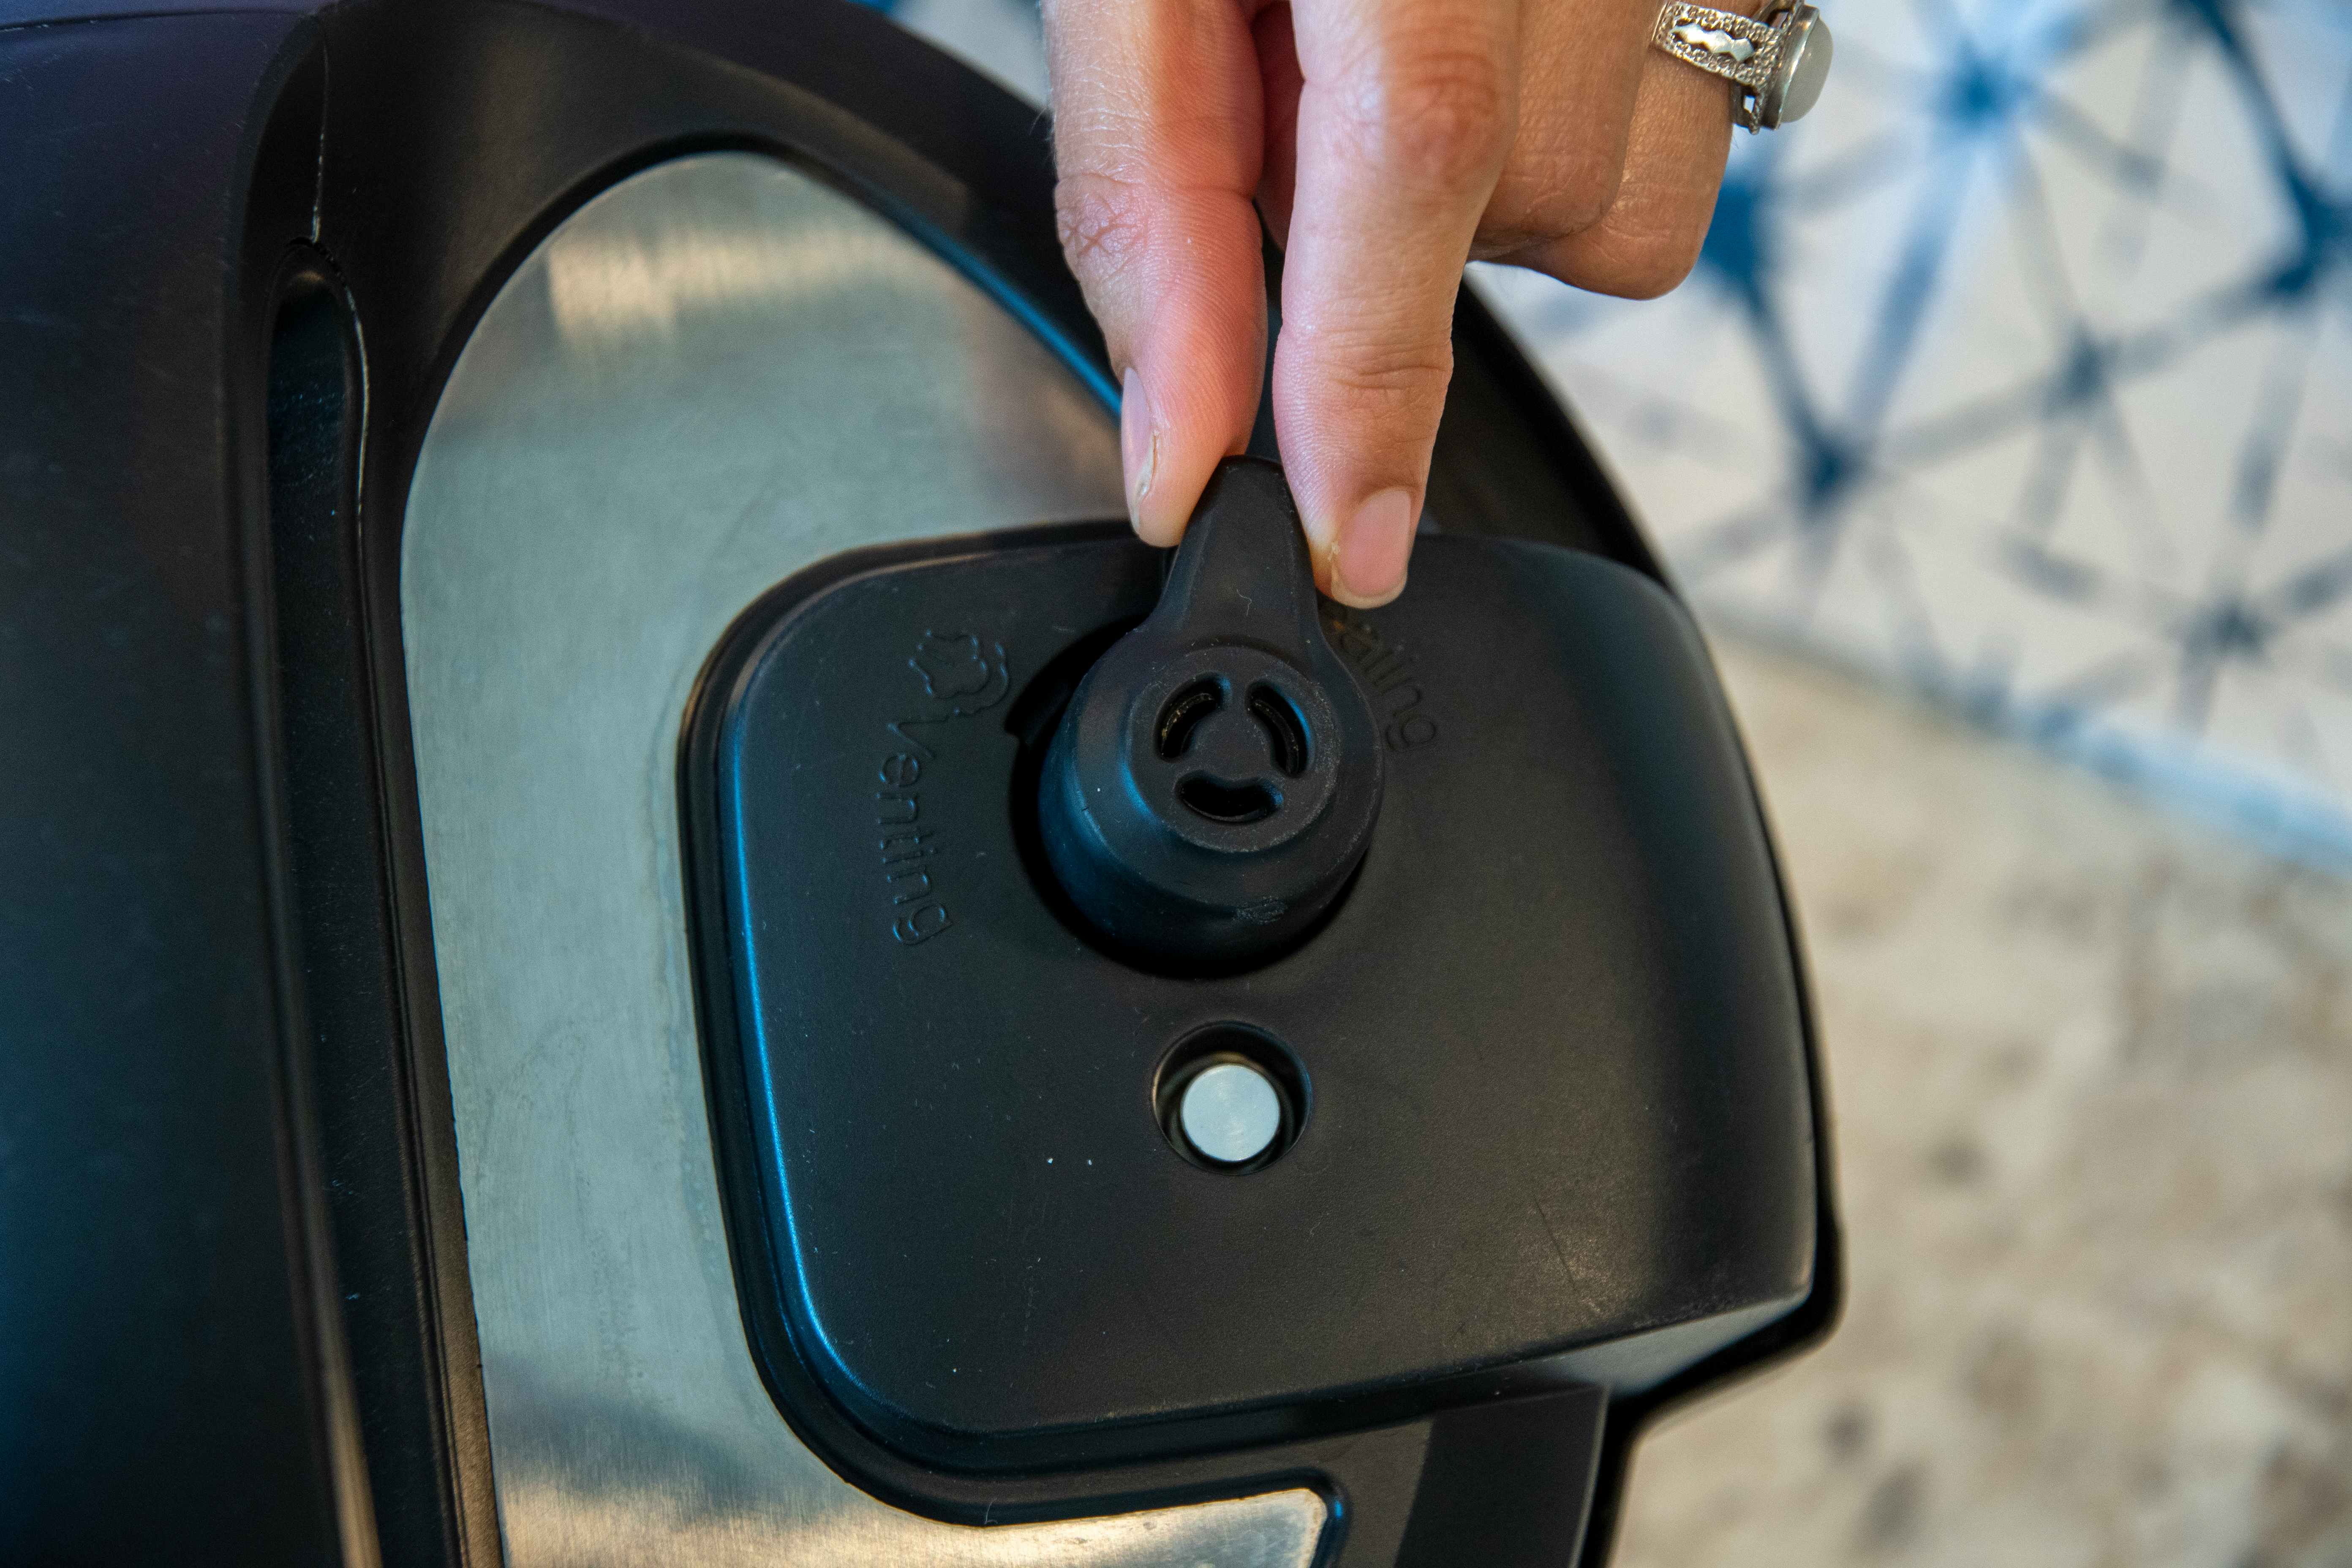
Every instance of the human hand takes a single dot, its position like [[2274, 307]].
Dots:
[[1387, 142]]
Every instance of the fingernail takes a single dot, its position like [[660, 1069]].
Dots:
[[1368, 568], [1138, 442]]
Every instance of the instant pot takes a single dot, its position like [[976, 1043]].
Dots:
[[636, 931]]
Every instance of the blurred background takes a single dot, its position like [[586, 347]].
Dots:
[[2004, 438]]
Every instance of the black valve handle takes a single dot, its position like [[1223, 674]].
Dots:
[[1215, 779]]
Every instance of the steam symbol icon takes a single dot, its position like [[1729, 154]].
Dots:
[[961, 671]]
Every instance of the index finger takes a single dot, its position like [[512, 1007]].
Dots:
[[1406, 116]]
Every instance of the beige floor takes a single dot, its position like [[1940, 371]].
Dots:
[[2090, 1066]]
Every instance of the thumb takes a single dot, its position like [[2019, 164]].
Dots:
[[1157, 140]]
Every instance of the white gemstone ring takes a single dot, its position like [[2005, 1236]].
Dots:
[[1778, 62]]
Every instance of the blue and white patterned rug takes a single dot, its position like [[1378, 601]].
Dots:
[[2019, 374]]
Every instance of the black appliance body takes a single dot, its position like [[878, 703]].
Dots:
[[480, 487]]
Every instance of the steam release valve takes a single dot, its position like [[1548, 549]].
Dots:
[[1214, 780]]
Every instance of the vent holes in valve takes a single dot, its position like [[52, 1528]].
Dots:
[[1184, 712], [1286, 731], [1232, 804]]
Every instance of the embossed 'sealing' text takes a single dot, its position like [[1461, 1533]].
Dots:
[[1389, 675]]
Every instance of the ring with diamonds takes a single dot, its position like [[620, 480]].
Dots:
[[1778, 62]]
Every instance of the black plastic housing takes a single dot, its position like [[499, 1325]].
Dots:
[[1559, 1127]]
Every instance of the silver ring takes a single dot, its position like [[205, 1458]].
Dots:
[[1779, 61]]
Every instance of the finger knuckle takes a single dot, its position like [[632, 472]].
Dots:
[[1443, 112], [1573, 198], [1642, 264], [1532, 208], [1104, 223], [1368, 368]]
